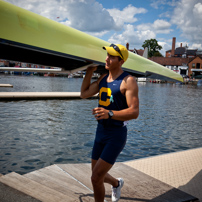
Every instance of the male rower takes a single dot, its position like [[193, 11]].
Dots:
[[118, 103]]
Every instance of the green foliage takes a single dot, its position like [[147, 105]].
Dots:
[[157, 54], [153, 47]]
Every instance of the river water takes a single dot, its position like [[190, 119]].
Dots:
[[35, 134]]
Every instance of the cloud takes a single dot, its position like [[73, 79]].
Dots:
[[196, 46], [162, 26], [88, 15], [165, 46], [158, 26], [189, 21], [135, 38], [136, 35], [159, 3], [127, 15]]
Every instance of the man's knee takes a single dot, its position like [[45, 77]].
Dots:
[[96, 179]]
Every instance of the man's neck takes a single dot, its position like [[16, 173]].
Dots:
[[113, 75]]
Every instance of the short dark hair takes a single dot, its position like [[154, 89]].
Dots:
[[119, 58]]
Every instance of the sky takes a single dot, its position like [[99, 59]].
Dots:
[[127, 21]]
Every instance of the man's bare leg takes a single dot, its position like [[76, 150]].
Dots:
[[100, 175], [108, 178]]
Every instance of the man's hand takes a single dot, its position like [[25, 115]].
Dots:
[[92, 68], [89, 89], [100, 113]]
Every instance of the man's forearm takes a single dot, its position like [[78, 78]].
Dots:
[[126, 114], [86, 81], [87, 88]]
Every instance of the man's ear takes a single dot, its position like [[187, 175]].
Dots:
[[121, 61]]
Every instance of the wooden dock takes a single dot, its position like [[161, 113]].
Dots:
[[6, 85], [71, 182], [12, 96]]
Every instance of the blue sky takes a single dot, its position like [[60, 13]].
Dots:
[[127, 21]]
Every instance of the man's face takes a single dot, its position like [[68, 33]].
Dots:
[[112, 62]]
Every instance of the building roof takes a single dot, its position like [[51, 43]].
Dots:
[[139, 52], [199, 52], [191, 52], [198, 56], [180, 51], [170, 61], [183, 50]]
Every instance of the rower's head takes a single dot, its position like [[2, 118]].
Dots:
[[117, 50]]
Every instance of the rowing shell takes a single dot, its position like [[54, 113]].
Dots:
[[31, 38]]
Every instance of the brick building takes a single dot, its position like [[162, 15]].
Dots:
[[182, 60], [195, 67], [178, 65], [182, 52], [138, 52]]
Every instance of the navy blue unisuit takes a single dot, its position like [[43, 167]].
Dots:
[[111, 135]]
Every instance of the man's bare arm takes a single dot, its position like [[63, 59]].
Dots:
[[89, 89]]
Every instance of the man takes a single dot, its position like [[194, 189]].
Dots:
[[118, 103]]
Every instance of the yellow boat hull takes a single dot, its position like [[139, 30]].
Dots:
[[31, 38]]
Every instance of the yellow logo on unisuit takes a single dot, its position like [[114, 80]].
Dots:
[[109, 93]]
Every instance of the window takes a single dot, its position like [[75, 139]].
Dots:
[[193, 65], [197, 65]]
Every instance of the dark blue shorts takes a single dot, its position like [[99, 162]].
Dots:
[[109, 142]]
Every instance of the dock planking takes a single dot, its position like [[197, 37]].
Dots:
[[137, 187], [54, 178], [71, 182], [32, 188], [12, 96], [9, 194]]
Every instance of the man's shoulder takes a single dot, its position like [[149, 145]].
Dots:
[[129, 77], [101, 77], [130, 81]]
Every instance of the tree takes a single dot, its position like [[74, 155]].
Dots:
[[153, 47], [157, 54]]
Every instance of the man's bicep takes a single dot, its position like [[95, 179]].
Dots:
[[92, 90], [132, 94]]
